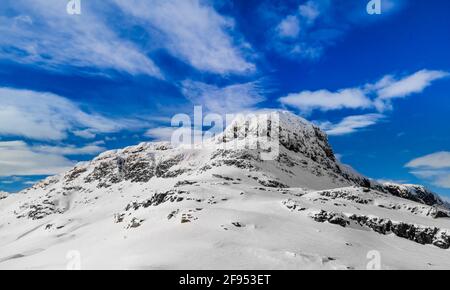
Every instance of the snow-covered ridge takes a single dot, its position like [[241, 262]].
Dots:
[[304, 152], [414, 192]]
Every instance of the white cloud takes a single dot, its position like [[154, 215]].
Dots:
[[378, 95], [160, 133], [291, 37], [310, 11], [17, 158], [325, 100], [289, 27], [323, 23], [437, 160], [69, 150], [350, 124], [438, 178], [85, 134], [434, 168], [192, 31], [40, 32], [389, 87], [176, 135], [224, 100], [46, 116]]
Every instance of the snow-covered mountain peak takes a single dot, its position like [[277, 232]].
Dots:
[[304, 158], [152, 201], [263, 122], [289, 130]]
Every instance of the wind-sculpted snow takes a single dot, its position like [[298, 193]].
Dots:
[[210, 206]]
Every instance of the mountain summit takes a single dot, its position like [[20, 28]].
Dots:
[[220, 205]]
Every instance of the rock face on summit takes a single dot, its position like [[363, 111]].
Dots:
[[215, 206], [414, 192]]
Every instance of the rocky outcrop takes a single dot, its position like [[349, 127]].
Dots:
[[344, 194], [412, 192], [420, 234], [3, 195], [331, 217], [157, 199], [39, 211], [291, 131]]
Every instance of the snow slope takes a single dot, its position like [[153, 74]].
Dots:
[[152, 206]]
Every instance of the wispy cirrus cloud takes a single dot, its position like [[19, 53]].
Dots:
[[69, 150], [439, 160], [350, 124], [365, 96], [434, 168], [17, 158], [391, 87], [325, 100], [49, 117], [41, 33], [192, 31], [224, 100]]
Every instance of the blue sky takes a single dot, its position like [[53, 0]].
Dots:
[[72, 86]]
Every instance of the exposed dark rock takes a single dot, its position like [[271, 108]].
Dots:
[[75, 173], [343, 194], [163, 167], [157, 199], [185, 182], [40, 211], [415, 193], [135, 223], [173, 214], [438, 213], [332, 218], [119, 217], [223, 177], [419, 234], [271, 183]]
